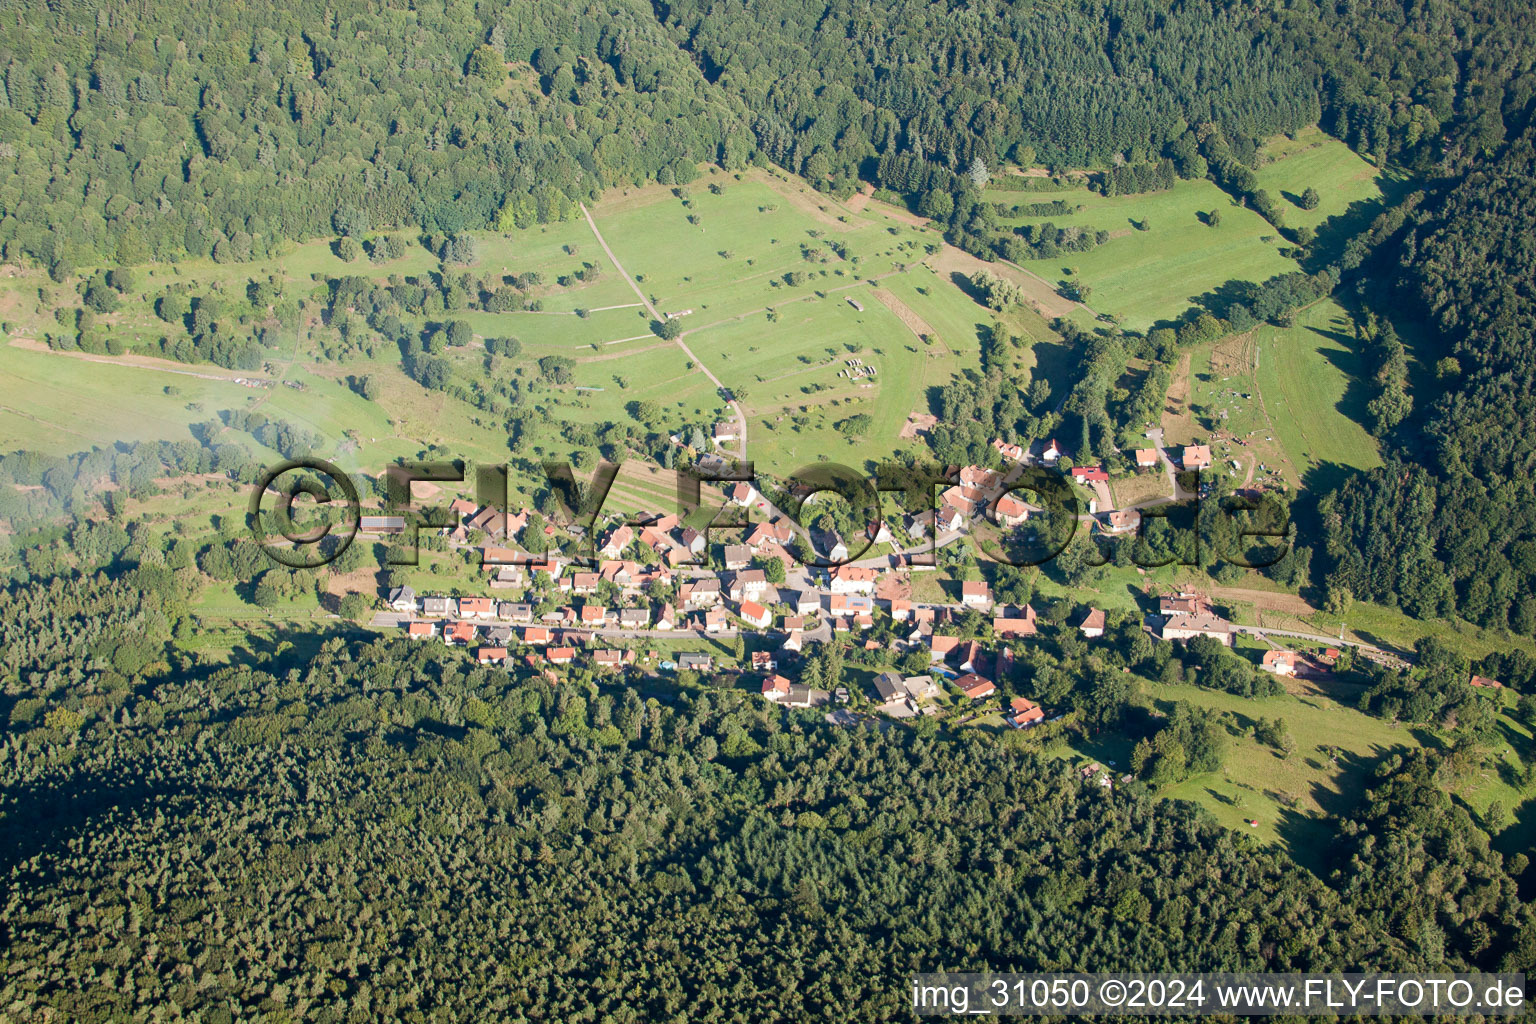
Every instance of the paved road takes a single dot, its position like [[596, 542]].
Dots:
[[741, 416]]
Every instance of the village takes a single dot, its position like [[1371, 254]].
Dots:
[[659, 584]]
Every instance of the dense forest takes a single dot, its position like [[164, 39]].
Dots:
[[132, 132], [1449, 526], [337, 837]]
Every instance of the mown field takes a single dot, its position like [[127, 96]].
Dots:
[[1347, 186], [1143, 276], [1314, 385]]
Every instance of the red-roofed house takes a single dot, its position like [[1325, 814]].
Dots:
[[940, 646], [420, 629], [1281, 663], [537, 635], [1012, 452], [1010, 511], [850, 579], [975, 687], [617, 541], [477, 608], [756, 614], [1093, 623], [1089, 475], [776, 688], [1023, 713], [458, 633], [561, 655], [488, 655], [1009, 627]]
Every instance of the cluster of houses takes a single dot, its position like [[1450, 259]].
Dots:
[[567, 611]]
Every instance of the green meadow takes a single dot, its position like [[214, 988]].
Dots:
[[1347, 186], [1143, 276], [1312, 377]]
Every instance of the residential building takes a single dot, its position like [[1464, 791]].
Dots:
[[975, 594], [1009, 451], [695, 661], [1010, 625], [749, 583], [1281, 663], [975, 687], [776, 688], [851, 579], [1092, 625], [439, 606], [1121, 520], [1146, 458], [477, 608], [920, 688], [491, 655], [617, 541], [1196, 456], [888, 686], [1023, 713], [940, 646], [612, 659], [1180, 626], [1010, 511], [755, 614]]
